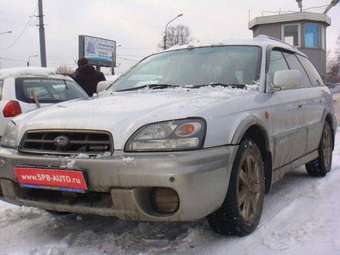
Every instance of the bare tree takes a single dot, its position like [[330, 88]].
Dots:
[[177, 35], [333, 75], [66, 70], [330, 60], [337, 50]]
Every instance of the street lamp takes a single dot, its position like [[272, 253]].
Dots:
[[7, 32], [331, 5], [29, 58], [166, 29]]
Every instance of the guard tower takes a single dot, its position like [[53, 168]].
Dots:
[[304, 30]]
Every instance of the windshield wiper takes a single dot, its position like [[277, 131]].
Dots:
[[150, 86], [217, 84]]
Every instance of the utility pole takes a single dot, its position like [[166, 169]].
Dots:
[[299, 2], [42, 35]]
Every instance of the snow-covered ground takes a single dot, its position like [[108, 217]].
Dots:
[[301, 216]]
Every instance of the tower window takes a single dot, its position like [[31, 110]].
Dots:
[[291, 34], [312, 35]]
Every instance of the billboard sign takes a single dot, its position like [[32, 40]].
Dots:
[[98, 51]]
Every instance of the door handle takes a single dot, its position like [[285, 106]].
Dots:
[[300, 106]]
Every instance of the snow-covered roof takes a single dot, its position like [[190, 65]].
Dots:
[[290, 17], [111, 77], [29, 71], [261, 41]]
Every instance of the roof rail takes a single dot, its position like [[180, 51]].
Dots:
[[274, 39]]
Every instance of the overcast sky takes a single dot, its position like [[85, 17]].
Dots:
[[137, 25]]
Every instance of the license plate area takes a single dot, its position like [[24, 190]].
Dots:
[[54, 179]]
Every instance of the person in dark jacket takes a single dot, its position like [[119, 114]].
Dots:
[[87, 76]]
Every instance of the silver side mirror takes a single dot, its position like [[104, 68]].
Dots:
[[103, 85], [287, 79]]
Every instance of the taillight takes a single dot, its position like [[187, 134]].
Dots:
[[11, 109]]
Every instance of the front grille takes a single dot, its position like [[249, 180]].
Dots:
[[73, 142]]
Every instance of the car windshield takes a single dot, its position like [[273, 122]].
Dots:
[[218, 65], [47, 90]]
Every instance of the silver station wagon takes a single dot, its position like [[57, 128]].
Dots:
[[187, 133]]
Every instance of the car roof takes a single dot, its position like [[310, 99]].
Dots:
[[31, 72], [261, 41]]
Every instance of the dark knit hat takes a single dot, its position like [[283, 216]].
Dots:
[[82, 62]]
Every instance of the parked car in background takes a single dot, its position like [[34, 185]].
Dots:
[[24, 89], [193, 132]]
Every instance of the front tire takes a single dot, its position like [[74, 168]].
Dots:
[[323, 164], [241, 211]]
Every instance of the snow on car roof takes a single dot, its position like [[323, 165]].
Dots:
[[30, 71], [261, 40], [110, 77]]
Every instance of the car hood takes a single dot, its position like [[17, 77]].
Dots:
[[122, 113]]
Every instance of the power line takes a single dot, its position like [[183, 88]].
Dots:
[[12, 59], [19, 36], [315, 7], [277, 12], [304, 9], [21, 33]]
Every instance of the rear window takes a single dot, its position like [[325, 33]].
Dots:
[[312, 72], [294, 64], [47, 90]]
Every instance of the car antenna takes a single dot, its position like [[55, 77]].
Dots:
[[35, 98]]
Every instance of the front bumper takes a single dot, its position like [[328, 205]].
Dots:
[[120, 185]]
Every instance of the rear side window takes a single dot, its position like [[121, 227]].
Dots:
[[47, 90], [1, 88], [277, 63], [294, 64], [312, 72]]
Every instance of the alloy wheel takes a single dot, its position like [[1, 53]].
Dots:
[[249, 187]]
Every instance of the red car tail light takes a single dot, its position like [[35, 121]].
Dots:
[[12, 109]]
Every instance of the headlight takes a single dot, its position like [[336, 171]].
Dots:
[[175, 135], [10, 136]]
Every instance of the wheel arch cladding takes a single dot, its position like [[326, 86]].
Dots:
[[330, 120], [260, 137]]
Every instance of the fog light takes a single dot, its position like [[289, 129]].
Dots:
[[164, 200]]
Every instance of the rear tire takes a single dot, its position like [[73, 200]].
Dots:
[[241, 211], [323, 164]]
